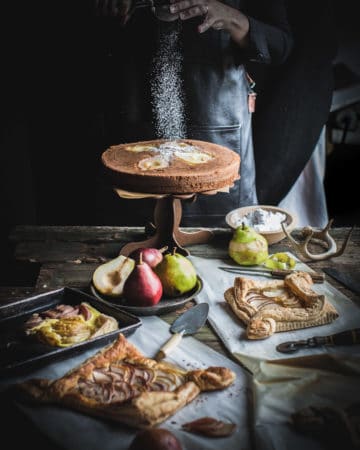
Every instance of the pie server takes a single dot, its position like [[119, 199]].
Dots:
[[348, 337], [188, 323]]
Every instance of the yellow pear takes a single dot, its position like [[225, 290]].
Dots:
[[177, 274]]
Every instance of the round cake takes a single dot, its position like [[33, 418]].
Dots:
[[171, 167]]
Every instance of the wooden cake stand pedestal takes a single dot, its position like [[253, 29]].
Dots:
[[167, 218]]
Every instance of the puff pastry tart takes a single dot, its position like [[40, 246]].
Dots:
[[267, 307], [121, 384], [66, 325]]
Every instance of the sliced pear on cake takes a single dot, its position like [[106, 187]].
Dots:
[[153, 163], [185, 145], [109, 278], [194, 157], [139, 148]]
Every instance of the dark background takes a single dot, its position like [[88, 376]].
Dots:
[[51, 119], [343, 160]]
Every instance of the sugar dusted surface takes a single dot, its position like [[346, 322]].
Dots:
[[222, 170], [262, 220]]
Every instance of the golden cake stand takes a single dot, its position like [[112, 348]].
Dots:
[[166, 227]]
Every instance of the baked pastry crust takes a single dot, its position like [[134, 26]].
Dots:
[[120, 384], [267, 307], [66, 325], [121, 165]]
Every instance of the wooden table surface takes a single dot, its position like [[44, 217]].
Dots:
[[50, 257], [68, 256]]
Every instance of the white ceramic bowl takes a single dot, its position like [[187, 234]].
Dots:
[[233, 219]]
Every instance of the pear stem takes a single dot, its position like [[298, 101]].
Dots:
[[174, 250], [163, 249], [140, 258]]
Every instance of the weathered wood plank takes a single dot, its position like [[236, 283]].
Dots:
[[57, 251], [111, 233], [85, 233], [75, 245], [69, 256], [9, 294], [53, 276]]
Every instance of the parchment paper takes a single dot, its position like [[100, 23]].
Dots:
[[77, 431], [327, 376], [232, 332]]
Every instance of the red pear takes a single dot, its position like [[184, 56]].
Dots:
[[155, 439], [143, 287], [151, 256]]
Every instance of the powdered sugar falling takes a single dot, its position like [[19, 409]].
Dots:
[[166, 84]]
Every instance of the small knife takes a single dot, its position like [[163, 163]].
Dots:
[[346, 279], [316, 277], [348, 337]]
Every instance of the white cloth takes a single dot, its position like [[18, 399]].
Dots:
[[307, 198]]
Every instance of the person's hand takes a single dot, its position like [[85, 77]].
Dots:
[[121, 9], [217, 15]]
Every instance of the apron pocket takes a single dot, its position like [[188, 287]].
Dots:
[[228, 136]]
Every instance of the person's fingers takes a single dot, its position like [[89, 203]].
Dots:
[[218, 25], [208, 23], [193, 12], [186, 4]]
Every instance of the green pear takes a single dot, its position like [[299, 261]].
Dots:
[[247, 247], [177, 274]]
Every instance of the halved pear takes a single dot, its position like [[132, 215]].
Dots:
[[109, 278], [194, 157]]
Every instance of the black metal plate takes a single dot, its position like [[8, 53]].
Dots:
[[165, 305], [19, 353]]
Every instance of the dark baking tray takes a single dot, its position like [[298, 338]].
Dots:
[[19, 353]]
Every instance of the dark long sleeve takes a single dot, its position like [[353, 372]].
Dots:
[[270, 37], [294, 100]]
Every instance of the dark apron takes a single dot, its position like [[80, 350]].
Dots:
[[216, 92]]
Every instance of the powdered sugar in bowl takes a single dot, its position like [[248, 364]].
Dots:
[[265, 219]]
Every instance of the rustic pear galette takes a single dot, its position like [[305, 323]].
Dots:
[[121, 384], [267, 307]]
